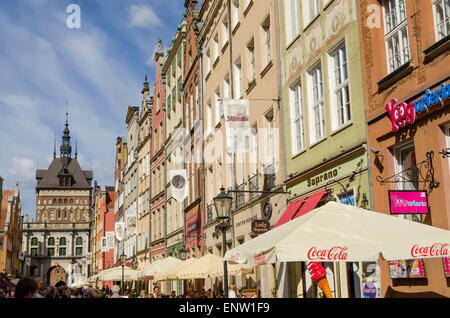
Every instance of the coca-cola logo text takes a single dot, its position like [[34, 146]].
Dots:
[[437, 249], [336, 253]]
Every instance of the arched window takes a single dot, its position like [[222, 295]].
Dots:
[[65, 213], [79, 240], [34, 241], [65, 201], [62, 241], [60, 201], [59, 214], [79, 249], [51, 241], [54, 201]]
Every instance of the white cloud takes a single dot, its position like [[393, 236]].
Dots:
[[143, 17], [23, 168]]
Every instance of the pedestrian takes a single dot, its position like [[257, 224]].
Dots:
[[232, 291], [93, 293], [50, 292], [41, 289], [115, 292], [173, 294], [208, 293], [26, 288], [1, 293], [9, 292], [156, 292]]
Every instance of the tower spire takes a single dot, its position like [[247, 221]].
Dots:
[[54, 148], [76, 148], [66, 149]]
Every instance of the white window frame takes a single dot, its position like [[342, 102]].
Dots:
[[446, 18], [237, 78], [340, 88], [316, 104], [291, 17], [297, 118], [251, 60], [396, 32], [266, 40], [310, 11], [234, 13], [208, 117], [225, 30], [217, 105]]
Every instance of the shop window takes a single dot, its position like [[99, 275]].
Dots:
[[348, 198]]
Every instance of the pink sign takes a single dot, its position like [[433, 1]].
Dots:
[[408, 202], [446, 261]]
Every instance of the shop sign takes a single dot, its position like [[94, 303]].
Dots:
[[403, 114], [437, 249], [260, 226], [193, 226], [336, 253], [408, 202], [322, 177]]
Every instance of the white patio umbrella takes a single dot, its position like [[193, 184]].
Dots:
[[150, 270], [115, 274], [93, 279], [209, 266], [343, 233], [172, 272]]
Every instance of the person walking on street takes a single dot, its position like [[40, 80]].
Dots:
[[51, 292], [26, 288], [115, 292]]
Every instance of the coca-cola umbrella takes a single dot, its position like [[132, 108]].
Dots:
[[343, 233]]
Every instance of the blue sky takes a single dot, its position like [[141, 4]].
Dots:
[[98, 69]]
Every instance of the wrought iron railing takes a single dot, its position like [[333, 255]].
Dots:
[[253, 185], [240, 196], [269, 177], [210, 213]]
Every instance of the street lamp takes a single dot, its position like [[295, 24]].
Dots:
[[123, 258], [222, 202]]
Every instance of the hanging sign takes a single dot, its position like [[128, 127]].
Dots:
[[178, 181], [109, 240], [131, 225], [260, 226], [119, 228], [237, 124], [408, 202], [103, 248]]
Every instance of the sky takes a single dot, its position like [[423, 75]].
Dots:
[[97, 69]]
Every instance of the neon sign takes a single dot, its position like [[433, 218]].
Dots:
[[403, 114]]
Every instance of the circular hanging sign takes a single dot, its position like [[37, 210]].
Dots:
[[178, 181], [267, 210]]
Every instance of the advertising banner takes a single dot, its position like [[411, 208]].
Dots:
[[408, 202], [407, 269], [178, 181], [109, 240], [104, 244], [446, 261], [237, 124], [119, 229], [131, 225]]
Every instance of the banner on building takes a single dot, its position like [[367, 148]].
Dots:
[[119, 229], [131, 225], [88, 258], [109, 240], [178, 181], [103, 245], [237, 124]]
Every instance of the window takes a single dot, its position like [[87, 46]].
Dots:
[[191, 110], [234, 13], [405, 166], [208, 61], [54, 201], [224, 30], [62, 241], [251, 62], [441, 9], [215, 48], [226, 86], [317, 112], [34, 241], [297, 126], [341, 89], [78, 251], [396, 33], [310, 10], [197, 104], [59, 214], [291, 20], [51, 241], [62, 251], [208, 117], [217, 105], [34, 251], [79, 241], [51, 251], [237, 79], [347, 198], [266, 36]]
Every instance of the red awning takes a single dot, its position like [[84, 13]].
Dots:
[[311, 203], [290, 212]]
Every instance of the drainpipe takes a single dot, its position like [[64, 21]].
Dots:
[[230, 40], [282, 93]]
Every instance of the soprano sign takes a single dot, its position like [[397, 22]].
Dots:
[[405, 114], [408, 202]]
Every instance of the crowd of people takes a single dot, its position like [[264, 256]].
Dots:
[[33, 288]]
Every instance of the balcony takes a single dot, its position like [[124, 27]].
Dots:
[[210, 213], [269, 177], [253, 185], [240, 196]]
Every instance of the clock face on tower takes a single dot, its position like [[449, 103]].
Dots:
[[267, 210]]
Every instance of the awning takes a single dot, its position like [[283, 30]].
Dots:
[[311, 203], [290, 212]]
